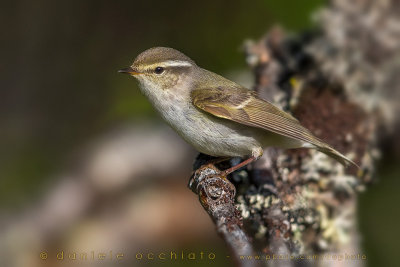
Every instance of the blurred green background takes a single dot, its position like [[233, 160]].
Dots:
[[60, 87], [60, 84]]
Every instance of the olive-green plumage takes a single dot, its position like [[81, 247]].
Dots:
[[215, 115]]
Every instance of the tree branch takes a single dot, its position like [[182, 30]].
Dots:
[[216, 195]]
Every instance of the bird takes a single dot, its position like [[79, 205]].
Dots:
[[218, 117]]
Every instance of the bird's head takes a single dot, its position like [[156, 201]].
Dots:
[[160, 68]]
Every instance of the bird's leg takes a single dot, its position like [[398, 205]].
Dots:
[[238, 166], [218, 160]]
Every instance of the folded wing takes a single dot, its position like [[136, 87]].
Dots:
[[244, 106]]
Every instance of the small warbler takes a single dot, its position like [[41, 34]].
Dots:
[[215, 115]]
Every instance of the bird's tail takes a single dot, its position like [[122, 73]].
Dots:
[[336, 155]]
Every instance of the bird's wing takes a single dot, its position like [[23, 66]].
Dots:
[[244, 106]]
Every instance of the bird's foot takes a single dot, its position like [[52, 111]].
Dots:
[[211, 185]]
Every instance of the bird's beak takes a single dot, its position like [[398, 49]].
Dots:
[[129, 70]]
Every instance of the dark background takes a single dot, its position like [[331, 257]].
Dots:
[[60, 87]]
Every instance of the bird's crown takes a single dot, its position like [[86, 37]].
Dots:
[[162, 55]]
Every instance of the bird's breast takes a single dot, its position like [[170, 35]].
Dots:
[[205, 132]]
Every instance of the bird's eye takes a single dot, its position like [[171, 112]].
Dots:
[[158, 70]]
